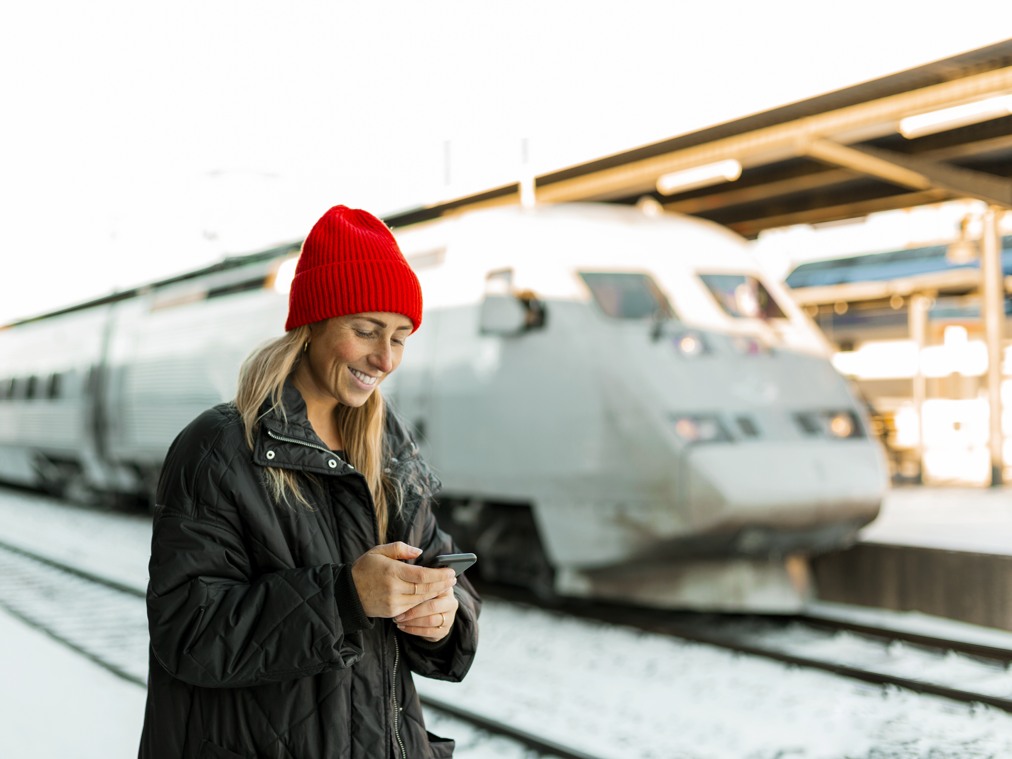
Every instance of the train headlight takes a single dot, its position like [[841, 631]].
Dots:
[[690, 344], [839, 425], [698, 428]]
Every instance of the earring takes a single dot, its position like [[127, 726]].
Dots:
[[305, 347]]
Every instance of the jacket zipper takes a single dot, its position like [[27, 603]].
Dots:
[[396, 705], [296, 441], [394, 702], [397, 648]]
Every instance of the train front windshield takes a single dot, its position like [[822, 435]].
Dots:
[[628, 295], [742, 296]]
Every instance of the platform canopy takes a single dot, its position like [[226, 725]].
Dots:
[[837, 156]]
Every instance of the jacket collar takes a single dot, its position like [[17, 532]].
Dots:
[[289, 442]]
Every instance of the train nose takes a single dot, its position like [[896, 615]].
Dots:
[[788, 485]]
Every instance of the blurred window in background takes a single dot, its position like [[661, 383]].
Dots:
[[53, 386], [742, 296], [628, 295]]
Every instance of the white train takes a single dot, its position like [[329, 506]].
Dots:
[[618, 403]]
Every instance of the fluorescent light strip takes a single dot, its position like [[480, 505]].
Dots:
[[699, 176], [957, 116]]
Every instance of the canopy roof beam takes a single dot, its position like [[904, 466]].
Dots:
[[915, 173]]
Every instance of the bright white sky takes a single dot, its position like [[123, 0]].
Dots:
[[141, 140]]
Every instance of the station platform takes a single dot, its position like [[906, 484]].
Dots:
[[941, 551]]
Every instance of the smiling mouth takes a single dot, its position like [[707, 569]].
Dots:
[[365, 379]]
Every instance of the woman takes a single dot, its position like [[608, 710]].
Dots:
[[290, 597]]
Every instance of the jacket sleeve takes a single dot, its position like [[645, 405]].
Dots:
[[215, 623], [450, 658]]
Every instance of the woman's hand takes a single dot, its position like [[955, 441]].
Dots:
[[432, 620], [387, 587]]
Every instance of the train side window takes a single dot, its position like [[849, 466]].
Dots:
[[627, 295], [32, 387], [5, 389], [743, 296], [54, 386]]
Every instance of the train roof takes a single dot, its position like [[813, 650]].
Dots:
[[544, 241], [229, 263], [506, 220], [908, 264], [499, 224]]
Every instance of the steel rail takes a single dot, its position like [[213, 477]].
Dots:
[[847, 670], [98, 615], [712, 629], [970, 648]]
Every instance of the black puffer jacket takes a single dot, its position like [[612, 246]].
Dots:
[[259, 645]]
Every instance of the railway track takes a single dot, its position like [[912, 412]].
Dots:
[[596, 683], [947, 668], [106, 622], [100, 619], [961, 670]]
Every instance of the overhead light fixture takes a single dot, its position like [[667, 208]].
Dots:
[[699, 176], [957, 116]]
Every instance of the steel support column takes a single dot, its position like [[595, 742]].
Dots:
[[993, 291], [917, 319]]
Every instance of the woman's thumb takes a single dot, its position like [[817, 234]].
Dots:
[[398, 550]]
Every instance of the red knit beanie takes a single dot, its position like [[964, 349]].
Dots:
[[351, 264]]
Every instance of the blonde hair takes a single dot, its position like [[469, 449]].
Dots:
[[262, 377]]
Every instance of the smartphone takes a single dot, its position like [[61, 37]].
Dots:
[[456, 561]]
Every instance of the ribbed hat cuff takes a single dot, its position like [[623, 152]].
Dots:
[[352, 287]]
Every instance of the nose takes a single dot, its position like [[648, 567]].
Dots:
[[383, 357]]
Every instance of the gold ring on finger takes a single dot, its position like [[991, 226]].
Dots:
[[442, 619]]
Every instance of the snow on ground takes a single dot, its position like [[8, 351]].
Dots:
[[617, 692], [55, 704], [614, 691]]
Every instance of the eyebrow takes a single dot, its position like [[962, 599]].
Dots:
[[383, 324]]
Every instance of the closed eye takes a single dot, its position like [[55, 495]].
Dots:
[[370, 335]]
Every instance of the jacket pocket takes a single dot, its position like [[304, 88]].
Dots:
[[442, 748], [209, 750]]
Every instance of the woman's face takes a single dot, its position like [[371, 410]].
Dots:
[[349, 356]]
